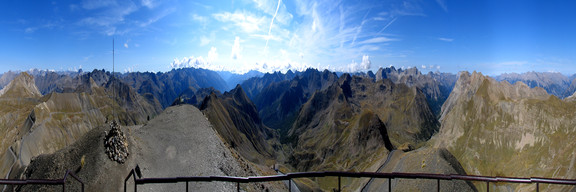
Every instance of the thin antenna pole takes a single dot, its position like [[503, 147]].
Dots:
[[113, 88]]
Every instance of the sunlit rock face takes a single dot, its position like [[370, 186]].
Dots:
[[499, 129]]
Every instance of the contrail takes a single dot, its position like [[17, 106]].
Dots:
[[271, 23], [387, 25]]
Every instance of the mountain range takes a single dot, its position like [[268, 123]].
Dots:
[[391, 120]]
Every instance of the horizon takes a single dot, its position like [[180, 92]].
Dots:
[[284, 72], [492, 37]]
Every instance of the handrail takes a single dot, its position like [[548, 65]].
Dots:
[[43, 181], [393, 175]]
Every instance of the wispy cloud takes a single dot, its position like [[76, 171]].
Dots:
[[271, 24], [246, 21], [149, 3], [377, 40], [445, 39], [442, 4]]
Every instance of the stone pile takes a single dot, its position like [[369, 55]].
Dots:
[[115, 144]]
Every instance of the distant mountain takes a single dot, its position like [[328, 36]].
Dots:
[[166, 87], [195, 97], [499, 129], [233, 79], [553, 82], [254, 85], [436, 86], [327, 127], [279, 102], [236, 119]]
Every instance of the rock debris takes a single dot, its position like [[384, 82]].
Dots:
[[115, 144]]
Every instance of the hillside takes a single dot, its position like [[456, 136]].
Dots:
[[178, 142], [236, 119], [436, 86], [33, 124], [354, 123], [499, 129]]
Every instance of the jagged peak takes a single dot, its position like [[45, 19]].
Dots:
[[23, 86]]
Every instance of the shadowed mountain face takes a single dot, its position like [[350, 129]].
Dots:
[[33, 124], [279, 102], [332, 127], [236, 119], [254, 85], [498, 129]]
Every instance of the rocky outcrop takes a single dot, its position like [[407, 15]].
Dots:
[[499, 129]]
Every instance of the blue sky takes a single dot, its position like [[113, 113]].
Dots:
[[492, 37]]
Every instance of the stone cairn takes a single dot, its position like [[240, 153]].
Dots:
[[115, 144]]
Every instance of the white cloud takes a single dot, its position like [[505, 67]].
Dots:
[[236, 49], [212, 55], [423, 66], [445, 39], [245, 20], [275, 8], [126, 45], [107, 20], [149, 3], [377, 40], [200, 19], [204, 41], [366, 62]]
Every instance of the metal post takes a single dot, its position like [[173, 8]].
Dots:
[[186, 186], [487, 186], [238, 186], [389, 184], [438, 184], [134, 175], [289, 185], [339, 188], [537, 187]]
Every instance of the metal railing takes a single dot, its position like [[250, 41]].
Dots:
[[389, 176], [43, 181]]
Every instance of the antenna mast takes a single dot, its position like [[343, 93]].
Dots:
[[113, 88]]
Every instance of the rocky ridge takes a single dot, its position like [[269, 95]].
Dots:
[[499, 129]]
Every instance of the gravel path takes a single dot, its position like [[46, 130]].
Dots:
[[181, 142]]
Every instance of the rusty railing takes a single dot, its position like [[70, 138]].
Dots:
[[389, 176], [43, 181]]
